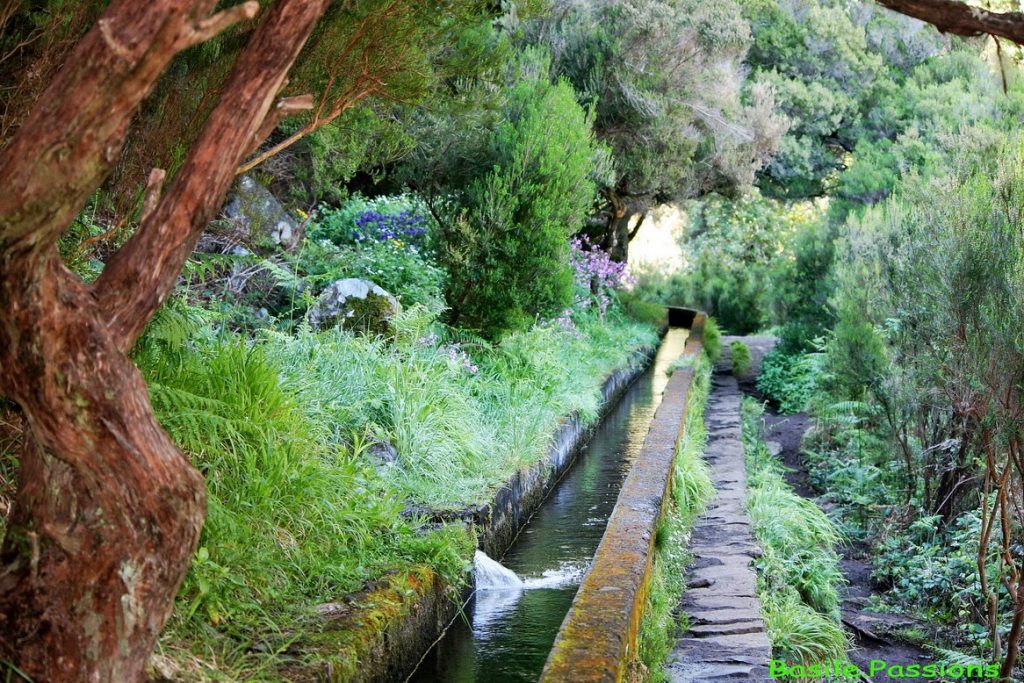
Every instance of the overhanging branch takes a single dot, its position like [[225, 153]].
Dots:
[[962, 19], [139, 277]]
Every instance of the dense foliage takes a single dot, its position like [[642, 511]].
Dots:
[[506, 237], [851, 179]]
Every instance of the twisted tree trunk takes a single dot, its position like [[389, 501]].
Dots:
[[108, 510]]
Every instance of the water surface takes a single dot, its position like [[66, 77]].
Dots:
[[510, 632]]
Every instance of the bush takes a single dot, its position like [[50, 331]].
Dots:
[[506, 241], [407, 273], [802, 285], [741, 358], [401, 219], [790, 380], [387, 240], [643, 311]]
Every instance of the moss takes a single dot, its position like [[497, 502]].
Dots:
[[370, 315], [354, 644]]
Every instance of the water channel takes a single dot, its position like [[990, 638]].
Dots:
[[511, 630]]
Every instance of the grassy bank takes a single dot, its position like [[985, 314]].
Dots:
[[691, 489], [799, 575], [313, 445]]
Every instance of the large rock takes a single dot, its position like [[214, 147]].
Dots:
[[355, 304], [258, 214]]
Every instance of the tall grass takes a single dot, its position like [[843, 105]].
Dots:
[[741, 358], [692, 488], [284, 428], [712, 339], [799, 575]]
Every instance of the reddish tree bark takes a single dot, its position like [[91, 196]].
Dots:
[[108, 510], [959, 18]]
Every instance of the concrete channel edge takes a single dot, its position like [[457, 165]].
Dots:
[[398, 631], [598, 637]]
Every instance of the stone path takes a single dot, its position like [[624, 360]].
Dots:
[[726, 640]]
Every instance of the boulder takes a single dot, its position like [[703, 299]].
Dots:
[[258, 214], [354, 304], [383, 454]]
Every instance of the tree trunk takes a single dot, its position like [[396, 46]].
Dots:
[[108, 511], [617, 234]]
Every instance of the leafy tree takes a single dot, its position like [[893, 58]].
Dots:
[[363, 53], [506, 238], [667, 83], [108, 510], [937, 267]]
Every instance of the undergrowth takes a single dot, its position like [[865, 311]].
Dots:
[[799, 575], [289, 432], [692, 488]]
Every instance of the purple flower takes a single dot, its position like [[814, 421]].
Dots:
[[596, 274], [404, 227]]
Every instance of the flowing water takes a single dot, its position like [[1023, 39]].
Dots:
[[514, 616]]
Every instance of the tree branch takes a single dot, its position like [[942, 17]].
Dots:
[[77, 127], [962, 19], [140, 276], [286, 106]]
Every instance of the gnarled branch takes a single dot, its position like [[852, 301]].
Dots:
[[76, 131], [962, 19], [140, 276]]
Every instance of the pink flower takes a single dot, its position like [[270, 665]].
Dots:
[[596, 274]]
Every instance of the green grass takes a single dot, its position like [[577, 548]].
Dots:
[[692, 488], [741, 358], [712, 340], [300, 512], [799, 575]]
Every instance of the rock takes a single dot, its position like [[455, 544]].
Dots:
[[774, 447], [355, 304], [258, 214], [383, 453]]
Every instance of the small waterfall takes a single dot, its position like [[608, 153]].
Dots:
[[490, 575]]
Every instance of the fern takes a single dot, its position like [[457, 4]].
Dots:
[[959, 658]]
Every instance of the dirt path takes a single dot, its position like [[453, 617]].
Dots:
[[871, 633]]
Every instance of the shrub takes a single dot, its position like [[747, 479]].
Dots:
[[506, 241], [790, 380], [407, 273], [741, 358], [643, 311], [855, 359], [400, 219], [596, 276], [386, 240]]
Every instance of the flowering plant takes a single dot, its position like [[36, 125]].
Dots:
[[403, 228], [596, 274], [453, 353]]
